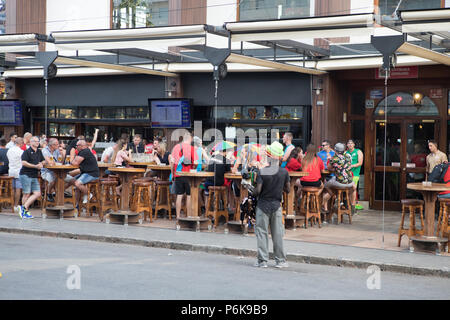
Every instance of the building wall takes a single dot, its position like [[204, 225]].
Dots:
[[63, 15]]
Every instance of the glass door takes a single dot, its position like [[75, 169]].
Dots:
[[404, 162], [387, 171]]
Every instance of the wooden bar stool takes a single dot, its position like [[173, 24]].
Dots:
[[338, 205], [217, 194], [70, 199], [108, 199], [410, 205], [443, 226], [94, 189], [133, 198], [163, 188], [143, 196], [6, 191], [310, 205]]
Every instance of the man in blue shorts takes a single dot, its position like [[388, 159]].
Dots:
[[88, 169], [32, 162]]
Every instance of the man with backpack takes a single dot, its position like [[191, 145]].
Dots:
[[182, 159]]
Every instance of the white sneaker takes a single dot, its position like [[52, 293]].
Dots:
[[260, 264], [85, 199], [281, 265]]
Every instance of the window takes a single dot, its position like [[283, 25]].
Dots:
[[274, 9], [358, 103], [61, 130], [89, 113], [2, 16], [387, 7], [140, 13], [67, 113], [137, 113], [405, 103]]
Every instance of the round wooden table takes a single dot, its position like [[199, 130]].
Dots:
[[102, 167], [162, 171], [61, 209], [195, 178], [124, 215], [141, 164], [428, 242]]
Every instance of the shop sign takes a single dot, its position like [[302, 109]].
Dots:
[[370, 104], [399, 73], [436, 93], [376, 94]]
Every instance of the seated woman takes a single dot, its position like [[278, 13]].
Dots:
[[341, 165], [161, 155], [121, 158], [312, 164], [294, 162]]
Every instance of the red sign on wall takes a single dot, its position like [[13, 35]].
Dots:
[[399, 73]]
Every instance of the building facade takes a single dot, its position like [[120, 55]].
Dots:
[[347, 102]]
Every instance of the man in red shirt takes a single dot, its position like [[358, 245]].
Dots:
[[26, 141], [182, 159]]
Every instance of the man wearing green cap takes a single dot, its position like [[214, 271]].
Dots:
[[271, 181]]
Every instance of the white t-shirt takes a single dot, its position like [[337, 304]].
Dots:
[[10, 144], [15, 161], [107, 152]]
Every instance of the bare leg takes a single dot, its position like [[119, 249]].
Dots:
[[31, 198], [17, 194], [178, 203]]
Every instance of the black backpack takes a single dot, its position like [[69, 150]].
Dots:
[[438, 173]]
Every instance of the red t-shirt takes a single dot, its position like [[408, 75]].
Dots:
[[314, 169], [446, 178], [293, 165], [188, 152]]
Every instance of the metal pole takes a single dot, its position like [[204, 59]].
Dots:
[[46, 106]]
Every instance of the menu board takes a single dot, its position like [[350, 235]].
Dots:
[[170, 113], [11, 112]]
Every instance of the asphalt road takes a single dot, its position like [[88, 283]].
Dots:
[[48, 268]]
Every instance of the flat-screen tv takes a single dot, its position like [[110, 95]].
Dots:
[[11, 112], [170, 113]]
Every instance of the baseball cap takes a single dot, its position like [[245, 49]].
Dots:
[[275, 149], [339, 147]]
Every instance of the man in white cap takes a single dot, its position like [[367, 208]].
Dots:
[[271, 181]]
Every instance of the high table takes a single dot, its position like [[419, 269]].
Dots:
[[143, 165], [193, 219], [124, 215], [103, 166], [428, 242], [162, 171], [290, 198], [61, 209]]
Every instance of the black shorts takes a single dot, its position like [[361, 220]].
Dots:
[[182, 186], [316, 184]]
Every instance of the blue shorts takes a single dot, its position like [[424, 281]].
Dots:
[[85, 178], [17, 184], [29, 184]]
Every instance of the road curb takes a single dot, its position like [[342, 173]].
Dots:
[[300, 258]]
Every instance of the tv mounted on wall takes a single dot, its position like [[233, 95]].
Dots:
[[170, 113], [11, 112]]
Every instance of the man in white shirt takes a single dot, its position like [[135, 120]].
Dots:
[[14, 155], [108, 153], [12, 139]]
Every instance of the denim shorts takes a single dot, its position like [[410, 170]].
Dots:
[[17, 184], [29, 184], [85, 178]]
